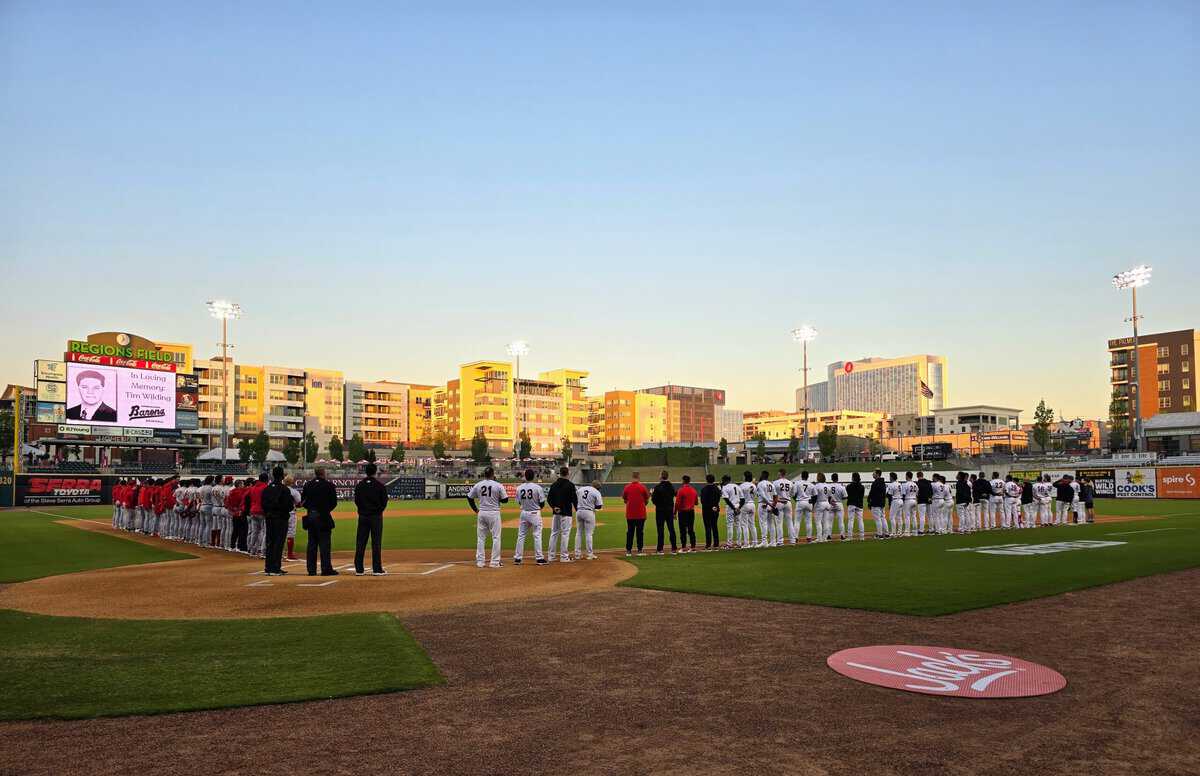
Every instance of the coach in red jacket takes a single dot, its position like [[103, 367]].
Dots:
[[685, 509]]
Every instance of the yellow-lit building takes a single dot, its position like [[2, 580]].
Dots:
[[324, 392], [595, 424], [540, 411], [774, 424], [378, 412], [485, 404], [575, 407], [632, 419], [420, 415]]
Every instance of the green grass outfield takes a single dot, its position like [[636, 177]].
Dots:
[[410, 524], [69, 667]]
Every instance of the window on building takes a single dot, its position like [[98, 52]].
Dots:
[[1187, 401], [1164, 385], [1164, 351], [1187, 383], [1185, 366], [1164, 402], [1164, 369], [1184, 349]]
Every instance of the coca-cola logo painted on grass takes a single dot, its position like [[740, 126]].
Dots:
[[963, 673]]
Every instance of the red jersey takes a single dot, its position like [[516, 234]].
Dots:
[[635, 496], [146, 496], [256, 491], [686, 498], [234, 500], [169, 496]]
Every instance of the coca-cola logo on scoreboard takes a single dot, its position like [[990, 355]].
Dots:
[[963, 673]]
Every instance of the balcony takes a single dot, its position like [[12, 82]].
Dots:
[[1119, 359]]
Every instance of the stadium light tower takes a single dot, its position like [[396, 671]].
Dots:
[[225, 311], [1133, 279], [516, 349], [804, 335]]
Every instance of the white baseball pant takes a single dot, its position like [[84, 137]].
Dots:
[[530, 523], [487, 524], [585, 527]]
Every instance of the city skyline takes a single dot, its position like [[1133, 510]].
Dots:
[[393, 192]]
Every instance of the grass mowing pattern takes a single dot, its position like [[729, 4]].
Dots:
[[68, 667], [35, 546], [921, 577]]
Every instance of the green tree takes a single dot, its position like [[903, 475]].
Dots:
[[310, 447], [524, 446], [479, 448], [1043, 416], [1118, 422], [723, 451], [369, 454], [827, 440], [259, 448], [566, 450], [398, 452], [760, 449], [291, 451], [243, 447], [439, 446], [793, 451], [355, 449], [335, 448]]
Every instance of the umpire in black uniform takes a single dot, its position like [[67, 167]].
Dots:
[[370, 496], [277, 504], [319, 497], [710, 505], [663, 497]]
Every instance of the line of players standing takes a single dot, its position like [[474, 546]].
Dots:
[[900, 508], [213, 512]]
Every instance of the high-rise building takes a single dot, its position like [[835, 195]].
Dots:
[[420, 415], [379, 412], [1166, 381], [696, 416], [596, 424], [634, 418], [908, 385], [729, 424], [818, 397], [575, 409], [485, 404], [324, 392]]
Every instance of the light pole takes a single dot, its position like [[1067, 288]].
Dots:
[[225, 311], [804, 335], [516, 349], [1134, 279]]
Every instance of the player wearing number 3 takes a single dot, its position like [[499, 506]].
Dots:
[[485, 498]]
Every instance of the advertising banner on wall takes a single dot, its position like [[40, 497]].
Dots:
[[52, 371], [1136, 483], [50, 391], [37, 490], [1179, 482], [1104, 480], [117, 361], [110, 396], [1026, 474], [406, 487], [187, 420], [457, 491], [49, 412]]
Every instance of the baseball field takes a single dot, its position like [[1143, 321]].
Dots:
[[699, 663]]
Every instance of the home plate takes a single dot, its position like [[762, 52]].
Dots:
[[405, 569]]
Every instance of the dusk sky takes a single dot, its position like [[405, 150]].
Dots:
[[656, 192]]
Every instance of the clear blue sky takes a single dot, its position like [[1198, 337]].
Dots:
[[652, 191]]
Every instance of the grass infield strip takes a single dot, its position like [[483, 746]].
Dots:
[[923, 576], [69, 668], [35, 546]]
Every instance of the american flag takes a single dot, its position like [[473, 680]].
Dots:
[[926, 391]]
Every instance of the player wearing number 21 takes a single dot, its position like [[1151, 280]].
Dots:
[[485, 498]]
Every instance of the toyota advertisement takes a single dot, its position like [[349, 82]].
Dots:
[[104, 395]]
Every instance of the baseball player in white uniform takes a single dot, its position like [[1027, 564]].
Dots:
[[590, 502], [531, 498], [895, 506], [803, 493], [485, 498], [837, 507], [204, 522], [747, 535], [996, 502], [821, 509], [784, 492], [1041, 499], [732, 501], [908, 490], [767, 511], [1076, 504], [1012, 503]]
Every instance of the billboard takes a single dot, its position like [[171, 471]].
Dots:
[[1104, 480], [124, 363], [1136, 483], [112, 396], [1179, 482], [50, 391], [37, 490], [187, 420], [54, 371], [50, 412]]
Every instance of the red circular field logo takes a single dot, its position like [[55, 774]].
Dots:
[[849, 367], [946, 671]]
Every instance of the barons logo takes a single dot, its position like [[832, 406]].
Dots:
[[946, 671], [137, 412]]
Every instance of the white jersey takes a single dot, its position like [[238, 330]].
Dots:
[[1012, 490], [784, 489], [1075, 490], [908, 489], [893, 491], [766, 492], [746, 491], [837, 491], [822, 492], [729, 492], [589, 499], [803, 491], [997, 488], [530, 497], [1041, 491], [940, 491], [488, 495], [206, 495]]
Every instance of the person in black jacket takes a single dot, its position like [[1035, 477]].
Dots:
[[663, 497], [370, 497], [1064, 494], [319, 497], [1028, 509], [563, 500], [877, 502], [962, 503], [981, 493], [710, 506], [854, 507], [924, 498], [277, 505]]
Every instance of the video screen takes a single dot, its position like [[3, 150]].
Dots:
[[113, 396]]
